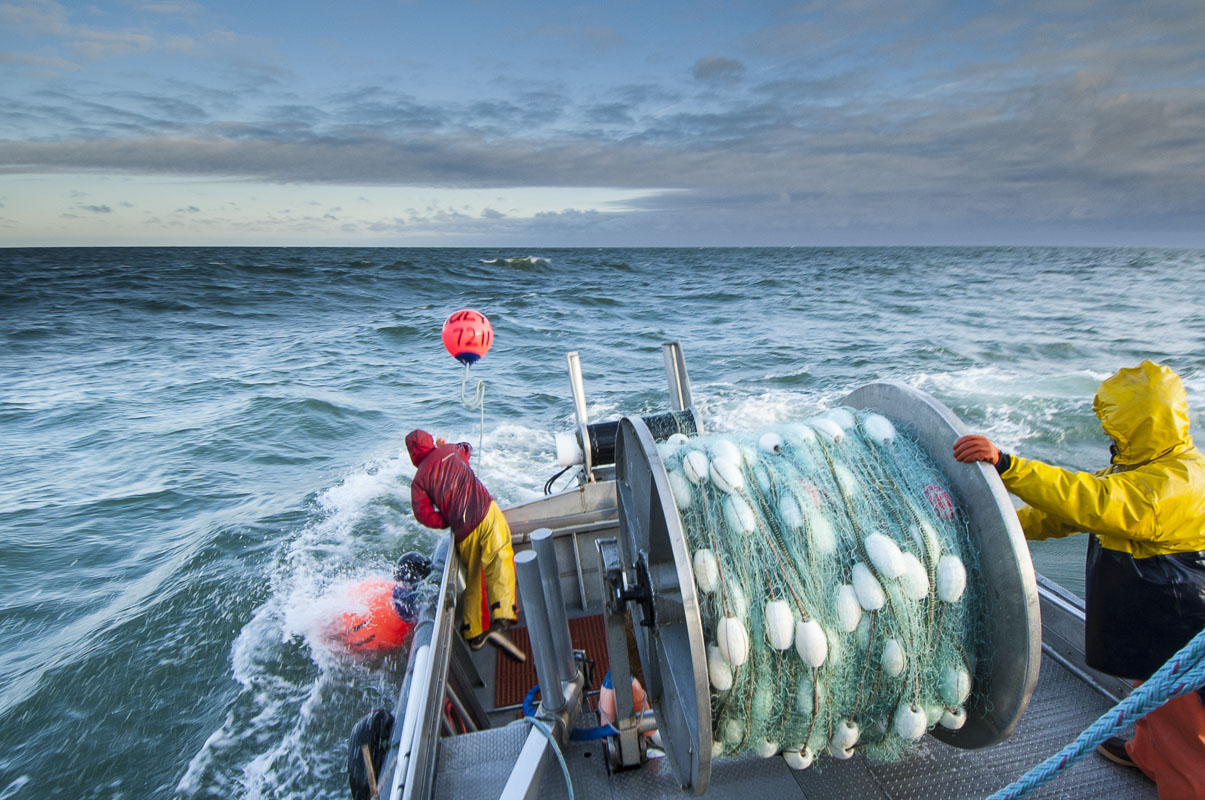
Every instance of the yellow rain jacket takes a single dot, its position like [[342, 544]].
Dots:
[[1145, 574]]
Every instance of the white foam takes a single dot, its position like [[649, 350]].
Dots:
[[533, 260], [287, 669]]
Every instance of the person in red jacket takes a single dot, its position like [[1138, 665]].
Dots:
[[446, 494]]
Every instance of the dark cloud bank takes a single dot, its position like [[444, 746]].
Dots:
[[1094, 138]]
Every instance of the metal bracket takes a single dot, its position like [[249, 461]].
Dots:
[[627, 750]]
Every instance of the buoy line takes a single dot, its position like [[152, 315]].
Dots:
[[832, 568]]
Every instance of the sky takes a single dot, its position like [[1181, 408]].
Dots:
[[621, 123]]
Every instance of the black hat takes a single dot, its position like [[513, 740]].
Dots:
[[411, 568]]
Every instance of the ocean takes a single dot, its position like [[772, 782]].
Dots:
[[201, 445]]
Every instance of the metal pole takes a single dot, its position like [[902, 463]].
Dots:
[[675, 371], [536, 613], [579, 410], [558, 622]]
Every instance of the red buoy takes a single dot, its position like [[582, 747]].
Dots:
[[468, 335], [376, 624]]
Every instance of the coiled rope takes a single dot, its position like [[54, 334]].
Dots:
[[1183, 673]]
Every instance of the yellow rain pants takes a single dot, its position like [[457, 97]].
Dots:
[[487, 550]]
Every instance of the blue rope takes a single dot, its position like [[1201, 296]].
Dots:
[[1183, 673], [578, 734]]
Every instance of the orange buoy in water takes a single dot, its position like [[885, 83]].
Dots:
[[468, 335], [376, 625]]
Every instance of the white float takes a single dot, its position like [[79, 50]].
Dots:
[[695, 465], [718, 669], [770, 443], [735, 597], [804, 433], [845, 736], [726, 475], [811, 643], [725, 448], [879, 428], [915, 580], [893, 658], [780, 624], [827, 428], [951, 578], [954, 718], [885, 555], [681, 490], [789, 513], [955, 685], [824, 540], [846, 480], [842, 417], [805, 701], [849, 610], [909, 722], [866, 587], [738, 515], [799, 759], [707, 570], [733, 641], [762, 477], [766, 749]]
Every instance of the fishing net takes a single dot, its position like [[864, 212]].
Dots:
[[836, 583]]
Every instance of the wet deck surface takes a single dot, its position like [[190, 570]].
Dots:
[[477, 765]]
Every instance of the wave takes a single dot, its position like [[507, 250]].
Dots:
[[284, 735], [519, 261]]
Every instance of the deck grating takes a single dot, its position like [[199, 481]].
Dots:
[[476, 765]]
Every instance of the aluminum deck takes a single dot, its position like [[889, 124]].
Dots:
[[476, 765]]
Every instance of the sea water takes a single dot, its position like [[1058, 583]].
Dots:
[[200, 446]]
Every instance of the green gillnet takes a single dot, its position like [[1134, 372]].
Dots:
[[832, 565]]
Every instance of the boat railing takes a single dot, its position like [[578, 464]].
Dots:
[[409, 769]]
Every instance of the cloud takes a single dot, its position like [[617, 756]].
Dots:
[[98, 209], [49, 63], [48, 18], [1029, 114], [171, 7], [718, 69]]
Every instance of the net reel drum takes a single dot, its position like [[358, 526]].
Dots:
[[658, 586]]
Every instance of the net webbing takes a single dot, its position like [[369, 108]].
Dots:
[[832, 565]]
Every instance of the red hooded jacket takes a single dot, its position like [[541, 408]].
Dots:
[[445, 492]]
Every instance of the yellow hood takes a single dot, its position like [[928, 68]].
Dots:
[[1145, 411]]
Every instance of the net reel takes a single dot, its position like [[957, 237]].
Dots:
[[659, 589]]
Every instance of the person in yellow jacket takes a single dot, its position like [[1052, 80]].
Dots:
[[1145, 572]]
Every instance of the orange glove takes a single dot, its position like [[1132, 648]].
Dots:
[[976, 448], [440, 441]]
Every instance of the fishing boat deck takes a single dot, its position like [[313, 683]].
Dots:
[[1068, 697], [477, 764]]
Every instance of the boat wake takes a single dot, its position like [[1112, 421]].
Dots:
[[297, 695]]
